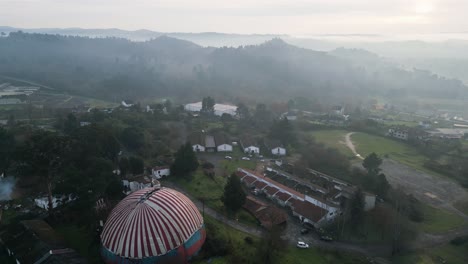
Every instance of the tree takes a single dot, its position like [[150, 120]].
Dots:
[[133, 138], [45, 153], [7, 147], [372, 163], [356, 208], [243, 112], [234, 196], [70, 124], [185, 161], [208, 104], [124, 166], [136, 165], [283, 131]]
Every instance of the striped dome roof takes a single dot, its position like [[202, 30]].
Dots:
[[150, 222]]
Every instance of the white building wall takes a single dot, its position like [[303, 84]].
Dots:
[[252, 149], [321, 204], [224, 148], [158, 174], [198, 148], [278, 151], [369, 202]]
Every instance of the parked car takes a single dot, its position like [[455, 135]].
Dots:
[[326, 238], [228, 157], [245, 158], [301, 244], [304, 231]]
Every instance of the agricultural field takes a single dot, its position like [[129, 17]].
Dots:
[[449, 253], [366, 144], [439, 221], [333, 139]]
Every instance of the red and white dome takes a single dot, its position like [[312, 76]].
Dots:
[[151, 222]]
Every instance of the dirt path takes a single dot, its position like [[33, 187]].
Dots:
[[351, 146]]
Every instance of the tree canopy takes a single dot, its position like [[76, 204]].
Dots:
[[185, 161], [233, 196]]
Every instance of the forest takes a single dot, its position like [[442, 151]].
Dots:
[[117, 69]]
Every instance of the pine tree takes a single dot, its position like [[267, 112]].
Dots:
[[234, 196], [185, 161]]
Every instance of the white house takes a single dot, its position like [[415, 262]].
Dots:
[[197, 140], [159, 172], [223, 143], [278, 151], [219, 109], [252, 150], [224, 148], [249, 145]]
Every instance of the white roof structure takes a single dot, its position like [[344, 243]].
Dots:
[[219, 109]]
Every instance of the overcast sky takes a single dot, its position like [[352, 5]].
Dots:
[[294, 17]]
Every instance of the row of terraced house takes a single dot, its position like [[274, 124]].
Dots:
[[310, 209]]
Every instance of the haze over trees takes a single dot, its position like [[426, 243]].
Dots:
[[118, 69]]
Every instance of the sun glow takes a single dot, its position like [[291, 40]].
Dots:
[[424, 7]]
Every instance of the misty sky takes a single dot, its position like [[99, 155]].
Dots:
[[294, 17]]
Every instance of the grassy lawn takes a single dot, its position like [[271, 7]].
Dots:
[[462, 206], [450, 253], [439, 221], [334, 139], [211, 189], [366, 144]]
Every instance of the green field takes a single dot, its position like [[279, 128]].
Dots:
[[211, 190], [333, 139], [439, 221], [365, 144], [450, 253]]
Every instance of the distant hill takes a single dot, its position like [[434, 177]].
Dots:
[[118, 68]]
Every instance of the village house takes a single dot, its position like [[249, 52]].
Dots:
[[197, 140], [219, 109], [210, 144], [276, 147], [249, 145], [161, 171], [398, 133], [267, 215], [278, 151], [223, 143]]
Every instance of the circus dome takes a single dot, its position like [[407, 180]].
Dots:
[[153, 225]]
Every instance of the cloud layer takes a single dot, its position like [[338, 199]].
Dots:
[[295, 17]]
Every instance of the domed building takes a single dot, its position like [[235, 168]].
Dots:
[[153, 225]]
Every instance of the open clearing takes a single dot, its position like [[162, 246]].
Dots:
[[403, 166]]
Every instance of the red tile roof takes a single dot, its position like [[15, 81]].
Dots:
[[266, 214], [283, 196], [308, 210], [271, 190], [249, 179], [277, 184], [260, 185]]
